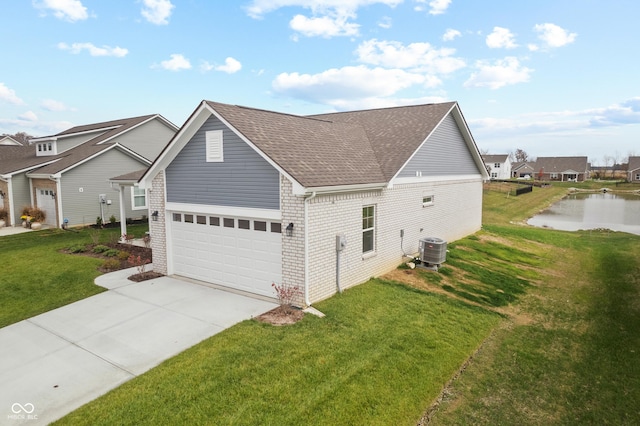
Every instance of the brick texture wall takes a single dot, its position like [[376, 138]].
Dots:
[[455, 213], [292, 208], [157, 229]]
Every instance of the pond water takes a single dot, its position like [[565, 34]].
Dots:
[[618, 212]]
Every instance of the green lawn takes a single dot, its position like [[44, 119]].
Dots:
[[36, 277]]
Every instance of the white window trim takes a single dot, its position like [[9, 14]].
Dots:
[[214, 146], [369, 253], [427, 200], [133, 197]]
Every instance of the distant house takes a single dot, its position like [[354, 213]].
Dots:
[[498, 166], [563, 169], [8, 140], [522, 170], [633, 170], [247, 197], [67, 174]]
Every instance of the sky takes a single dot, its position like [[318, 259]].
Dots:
[[550, 77]]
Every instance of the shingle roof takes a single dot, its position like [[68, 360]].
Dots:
[[342, 148], [634, 163], [498, 158], [66, 159], [561, 164], [133, 176]]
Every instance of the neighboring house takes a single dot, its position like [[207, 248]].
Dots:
[[522, 170], [67, 174], [248, 197], [8, 140], [498, 166], [633, 171], [572, 169]]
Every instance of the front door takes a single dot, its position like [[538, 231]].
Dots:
[[45, 198]]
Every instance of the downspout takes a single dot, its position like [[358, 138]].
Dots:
[[306, 247]]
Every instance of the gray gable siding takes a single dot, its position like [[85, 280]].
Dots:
[[147, 139], [244, 179], [93, 177], [66, 143], [445, 153]]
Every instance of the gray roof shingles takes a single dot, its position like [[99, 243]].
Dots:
[[344, 148]]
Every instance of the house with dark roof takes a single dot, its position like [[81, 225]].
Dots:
[[633, 170], [67, 174], [498, 166], [522, 170], [244, 198], [569, 169]]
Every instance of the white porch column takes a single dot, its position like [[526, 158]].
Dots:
[[123, 213]]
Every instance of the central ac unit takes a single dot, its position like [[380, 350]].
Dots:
[[433, 251]]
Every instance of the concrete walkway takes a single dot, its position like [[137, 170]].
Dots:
[[55, 362]]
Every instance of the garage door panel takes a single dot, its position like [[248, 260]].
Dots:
[[245, 259]]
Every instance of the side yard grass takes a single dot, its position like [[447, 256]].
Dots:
[[36, 277]]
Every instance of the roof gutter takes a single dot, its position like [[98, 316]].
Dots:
[[315, 190]]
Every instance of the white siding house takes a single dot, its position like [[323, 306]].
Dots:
[[498, 166]]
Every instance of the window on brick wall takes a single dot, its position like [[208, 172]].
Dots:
[[368, 229]]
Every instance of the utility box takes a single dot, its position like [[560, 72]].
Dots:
[[433, 251]]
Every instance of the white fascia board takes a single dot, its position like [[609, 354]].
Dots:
[[86, 132], [223, 211], [179, 140], [37, 166], [99, 153], [318, 190], [132, 153], [433, 179]]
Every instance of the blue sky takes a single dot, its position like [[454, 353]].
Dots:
[[555, 78]]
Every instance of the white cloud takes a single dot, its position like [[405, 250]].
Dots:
[[386, 22], [93, 50], [348, 83], [501, 38], [52, 105], [9, 95], [28, 116], [439, 7], [157, 11], [324, 26], [415, 56], [553, 35], [68, 10], [501, 73], [627, 112], [230, 66], [451, 34], [259, 8], [176, 63]]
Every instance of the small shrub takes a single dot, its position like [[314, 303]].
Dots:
[[4, 214], [111, 253], [37, 215], [287, 295], [100, 249], [112, 219], [113, 238], [123, 255], [99, 221], [138, 262], [111, 264], [78, 248], [128, 238], [94, 234]]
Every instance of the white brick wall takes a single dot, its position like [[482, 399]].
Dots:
[[157, 229], [292, 208], [456, 212]]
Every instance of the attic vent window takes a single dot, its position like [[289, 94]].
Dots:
[[214, 146]]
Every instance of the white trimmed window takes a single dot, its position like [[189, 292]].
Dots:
[[637, 176], [494, 175], [496, 165], [427, 200], [368, 229], [214, 146], [138, 198]]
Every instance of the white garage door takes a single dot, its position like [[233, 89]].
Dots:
[[242, 253]]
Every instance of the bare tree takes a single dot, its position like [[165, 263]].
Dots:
[[21, 137], [521, 155]]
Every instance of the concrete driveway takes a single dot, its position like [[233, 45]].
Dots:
[[55, 362]]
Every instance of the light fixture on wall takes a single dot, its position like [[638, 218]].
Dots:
[[289, 229], [154, 216]]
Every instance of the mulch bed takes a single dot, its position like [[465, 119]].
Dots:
[[282, 315]]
